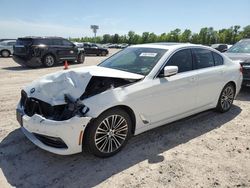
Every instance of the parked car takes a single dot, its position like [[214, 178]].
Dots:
[[137, 89], [6, 48], [91, 48], [220, 47], [46, 51], [240, 52], [1, 40]]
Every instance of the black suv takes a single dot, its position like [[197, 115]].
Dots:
[[91, 48], [46, 51]]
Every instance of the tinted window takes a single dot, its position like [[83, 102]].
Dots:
[[24, 41], [11, 43], [66, 43], [218, 60], [42, 41], [203, 58], [181, 59], [57, 42]]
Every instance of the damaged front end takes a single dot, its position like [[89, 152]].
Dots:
[[61, 112], [52, 113]]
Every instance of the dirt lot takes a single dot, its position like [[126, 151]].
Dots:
[[206, 150]]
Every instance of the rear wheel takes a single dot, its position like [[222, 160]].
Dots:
[[108, 133], [49, 60], [226, 98], [5, 53]]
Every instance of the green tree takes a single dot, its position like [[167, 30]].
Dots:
[[246, 32], [186, 36]]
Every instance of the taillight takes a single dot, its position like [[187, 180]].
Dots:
[[241, 69]]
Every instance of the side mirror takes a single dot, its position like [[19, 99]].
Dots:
[[170, 71]]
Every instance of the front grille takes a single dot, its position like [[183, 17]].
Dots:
[[33, 106], [51, 141]]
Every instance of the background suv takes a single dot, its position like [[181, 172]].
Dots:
[[241, 52], [6, 47], [46, 51]]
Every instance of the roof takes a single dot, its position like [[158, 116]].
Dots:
[[36, 37], [165, 45]]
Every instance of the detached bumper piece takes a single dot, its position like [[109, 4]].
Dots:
[[51, 141]]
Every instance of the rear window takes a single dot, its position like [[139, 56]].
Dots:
[[203, 58], [218, 60], [24, 42]]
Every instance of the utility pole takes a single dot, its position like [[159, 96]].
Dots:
[[94, 28]]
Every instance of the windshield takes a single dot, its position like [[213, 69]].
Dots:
[[134, 60], [240, 47]]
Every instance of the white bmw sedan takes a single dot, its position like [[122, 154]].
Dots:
[[139, 88]]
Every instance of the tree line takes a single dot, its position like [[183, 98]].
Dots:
[[206, 36]]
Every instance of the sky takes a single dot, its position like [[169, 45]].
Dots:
[[72, 18]]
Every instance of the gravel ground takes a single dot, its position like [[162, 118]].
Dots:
[[206, 150]]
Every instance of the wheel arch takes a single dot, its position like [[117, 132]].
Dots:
[[49, 53], [5, 50], [233, 83], [127, 109]]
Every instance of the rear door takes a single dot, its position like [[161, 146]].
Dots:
[[209, 69]]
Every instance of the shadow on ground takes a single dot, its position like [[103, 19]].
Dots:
[[244, 94], [25, 165], [24, 68]]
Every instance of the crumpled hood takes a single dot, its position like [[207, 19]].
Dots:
[[239, 57], [52, 87]]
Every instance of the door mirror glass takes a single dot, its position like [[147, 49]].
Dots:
[[170, 71]]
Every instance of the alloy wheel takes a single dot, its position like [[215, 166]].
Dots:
[[49, 60], [111, 133], [227, 98]]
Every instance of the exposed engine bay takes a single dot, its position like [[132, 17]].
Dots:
[[71, 106]]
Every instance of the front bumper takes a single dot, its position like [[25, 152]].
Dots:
[[69, 131], [30, 62]]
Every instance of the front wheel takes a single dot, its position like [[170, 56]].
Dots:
[[104, 53], [226, 98], [108, 133], [80, 58]]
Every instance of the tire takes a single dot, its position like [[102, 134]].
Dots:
[[104, 138], [80, 58], [5, 53], [226, 98], [49, 60], [104, 53]]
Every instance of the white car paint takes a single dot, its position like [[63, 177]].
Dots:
[[155, 101]]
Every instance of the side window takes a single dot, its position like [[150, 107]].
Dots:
[[11, 43], [66, 43], [203, 58], [57, 42], [182, 59], [218, 60]]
